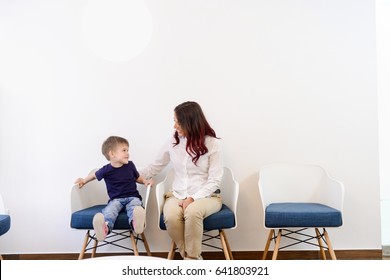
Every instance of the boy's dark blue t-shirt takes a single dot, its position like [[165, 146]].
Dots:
[[120, 182]]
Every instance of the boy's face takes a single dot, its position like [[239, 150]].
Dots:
[[120, 154]]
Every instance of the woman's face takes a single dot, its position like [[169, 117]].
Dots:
[[177, 127]]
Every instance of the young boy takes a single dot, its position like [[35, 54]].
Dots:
[[120, 176]]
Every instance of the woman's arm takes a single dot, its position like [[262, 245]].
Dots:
[[215, 171], [162, 160]]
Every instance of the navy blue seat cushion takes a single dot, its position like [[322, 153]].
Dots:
[[223, 219], [82, 219], [5, 223], [283, 215]]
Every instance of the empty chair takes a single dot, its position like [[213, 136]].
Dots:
[[91, 199], [226, 218], [297, 197], [5, 220]]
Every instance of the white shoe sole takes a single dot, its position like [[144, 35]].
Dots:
[[98, 226], [139, 216]]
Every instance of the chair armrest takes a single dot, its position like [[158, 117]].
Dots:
[[160, 196], [334, 196], [230, 190], [161, 189], [91, 194], [76, 201], [144, 191], [4, 211]]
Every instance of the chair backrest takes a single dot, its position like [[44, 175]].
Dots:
[[92, 193], [229, 191], [161, 189], [283, 182], [95, 193], [3, 211]]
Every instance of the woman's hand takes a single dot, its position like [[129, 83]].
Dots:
[[185, 202]]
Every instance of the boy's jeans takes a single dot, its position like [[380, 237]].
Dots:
[[111, 211]]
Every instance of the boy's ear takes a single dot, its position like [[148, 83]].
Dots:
[[111, 154]]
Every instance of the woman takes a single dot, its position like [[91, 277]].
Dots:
[[196, 157]]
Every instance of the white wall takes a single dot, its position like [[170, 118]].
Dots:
[[383, 62], [279, 80]]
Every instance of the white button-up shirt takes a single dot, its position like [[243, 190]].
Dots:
[[190, 180]]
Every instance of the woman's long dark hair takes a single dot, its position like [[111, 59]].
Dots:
[[191, 119]]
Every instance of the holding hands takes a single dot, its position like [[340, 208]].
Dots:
[[185, 202]]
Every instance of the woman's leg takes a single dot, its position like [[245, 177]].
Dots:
[[174, 221], [193, 217]]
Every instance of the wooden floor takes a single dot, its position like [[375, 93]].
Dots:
[[247, 255]]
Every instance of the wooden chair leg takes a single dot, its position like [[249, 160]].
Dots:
[[319, 239], [330, 248], [172, 250], [271, 233], [81, 255], [225, 246], [94, 248], [228, 245], [134, 244], [146, 245], [277, 244]]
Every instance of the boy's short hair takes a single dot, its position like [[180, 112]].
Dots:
[[111, 143]]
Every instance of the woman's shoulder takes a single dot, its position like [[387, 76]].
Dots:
[[212, 141]]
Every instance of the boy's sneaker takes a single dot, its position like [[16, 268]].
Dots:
[[139, 216], [100, 227]]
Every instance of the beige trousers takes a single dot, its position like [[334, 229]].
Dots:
[[186, 227]]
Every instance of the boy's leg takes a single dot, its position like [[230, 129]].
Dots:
[[136, 214], [100, 227], [103, 223]]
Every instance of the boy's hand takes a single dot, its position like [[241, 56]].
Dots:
[[80, 182], [149, 182]]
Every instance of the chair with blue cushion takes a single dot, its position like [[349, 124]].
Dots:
[[215, 224], [91, 199], [298, 199], [5, 220]]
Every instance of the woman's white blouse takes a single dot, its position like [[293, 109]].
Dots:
[[190, 180]]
